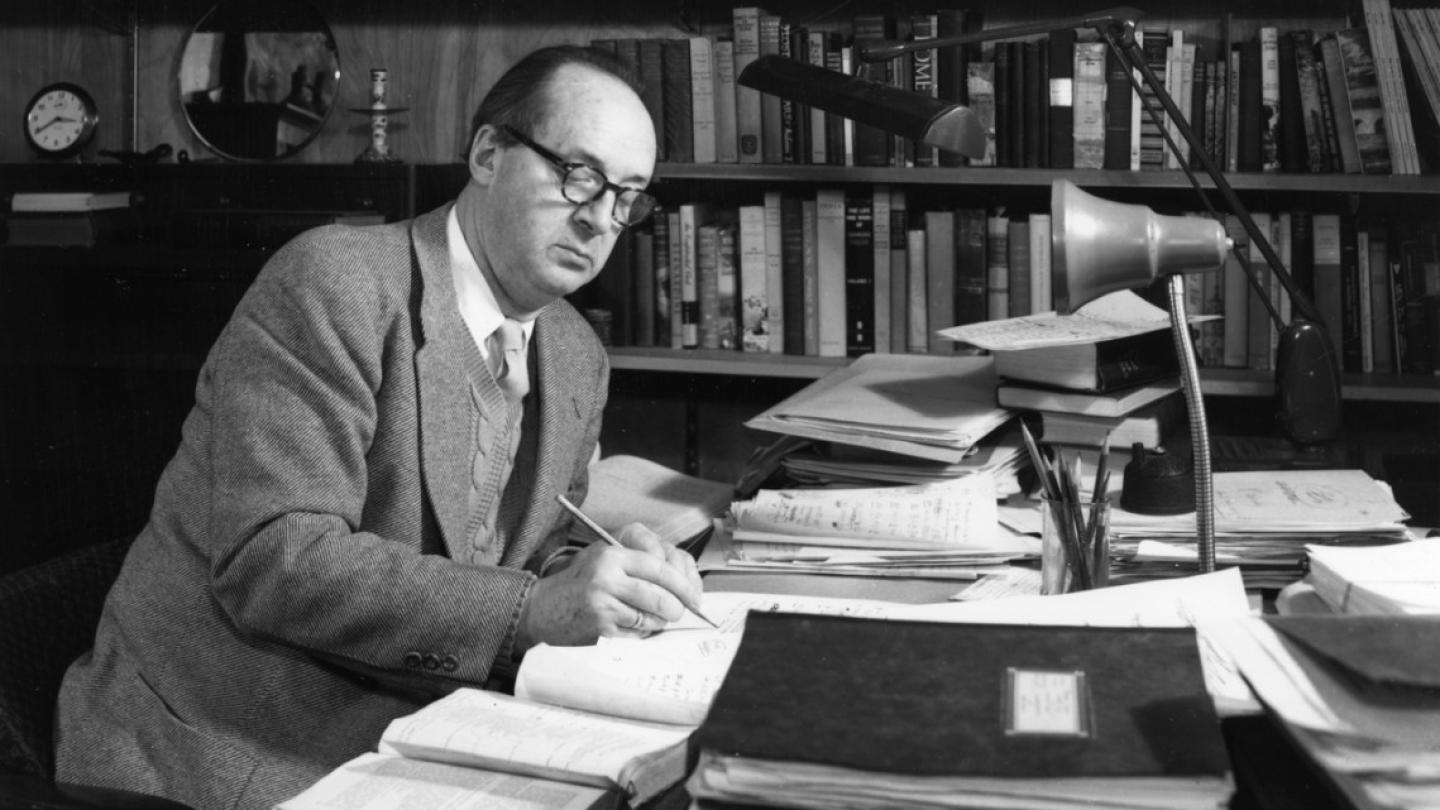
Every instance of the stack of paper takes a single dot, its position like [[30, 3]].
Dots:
[[1403, 578], [926, 406], [1359, 695], [1263, 521], [1001, 454], [941, 530]]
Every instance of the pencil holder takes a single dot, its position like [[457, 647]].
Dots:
[[1074, 545]]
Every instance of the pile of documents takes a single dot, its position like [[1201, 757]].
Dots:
[[939, 530], [923, 406], [1398, 579], [1358, 695], [1263, 522], [826, 464]]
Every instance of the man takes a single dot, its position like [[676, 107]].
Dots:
[[364, 492]]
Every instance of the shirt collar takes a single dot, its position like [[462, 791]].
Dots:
[[478, 306]]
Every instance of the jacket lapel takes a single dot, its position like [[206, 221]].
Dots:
[[443, 383]]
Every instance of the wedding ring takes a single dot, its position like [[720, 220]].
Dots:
[[639, 620]]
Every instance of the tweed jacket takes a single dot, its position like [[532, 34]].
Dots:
[[307, 574]]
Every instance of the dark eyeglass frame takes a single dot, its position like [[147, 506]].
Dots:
[[641, 201]]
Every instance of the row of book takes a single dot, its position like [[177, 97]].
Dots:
[[1293, 100], [850, 271]]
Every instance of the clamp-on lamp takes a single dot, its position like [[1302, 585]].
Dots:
[[1100, 246]]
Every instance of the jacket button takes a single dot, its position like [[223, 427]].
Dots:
[[449, 663], [412, 660], [432, 661]]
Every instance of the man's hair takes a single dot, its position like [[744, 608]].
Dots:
[[519, 99]]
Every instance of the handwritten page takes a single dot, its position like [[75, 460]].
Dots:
[[1119, 314], [941, 515], [388, 782], [663, 679], [491, 730]]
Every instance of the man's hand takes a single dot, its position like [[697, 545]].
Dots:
[[610, 591]]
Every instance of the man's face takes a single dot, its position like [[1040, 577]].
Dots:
[[538, 245]]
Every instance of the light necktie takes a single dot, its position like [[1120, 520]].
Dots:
[[507, 350]]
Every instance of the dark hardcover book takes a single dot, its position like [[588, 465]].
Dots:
[[792, 271], [1199, 122], [789, 110], [677, 98], [643, 292], [950, 70], [1335, 161], [872, 144], [899, 271], [1294, 155], [1302, 251], [1119, 100], [1351, 340], [1061, 111], [1100, 366], [936, 699], [859, 273], [651, 60], [1015, 87], [834, 124], [772, 138], [1017, 246], [660, 242], [922, 76], [1381, 326], [1006, 106], [971, 268], [1317, 146], [1035, 139], [1249, 154], [707, 281], [941, 240]]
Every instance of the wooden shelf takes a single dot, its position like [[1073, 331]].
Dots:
[[1225, 382], [1095, 178]]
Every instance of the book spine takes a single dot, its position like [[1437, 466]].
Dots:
[[789, 138], [1328, 282], [1041, 292], [727, 309], [1035, 135], [707, 283], [1293, 146], [753, 302], [859, 274], [702, 100], [1237, 296], [819, 139], [1335, 80], [997, 266], [792, 272], [1017, 262], [899, 269], [1382, 327], [880, 245], [1152, 144], [774, 274], [692, 216], [811, 277], [1258, 340], [1102, 110], [1367, 325], [1269, 99], [1061, 62], [970, 268], [980, 86], [677, 281], [830, 242], [643, 293], [661, 301], [917, 332], [1385, 52], [922, 27], [650, 57], [746, 25], [1352, 329], [727, 146], [1317, 146], [940, 275], [772, 134], [1366, 109]]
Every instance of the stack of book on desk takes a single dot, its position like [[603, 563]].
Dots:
[[1105, 376], [1264, 521], [1396, 580]]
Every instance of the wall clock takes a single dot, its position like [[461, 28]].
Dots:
[[60, 120]]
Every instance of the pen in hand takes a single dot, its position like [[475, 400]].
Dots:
[[608, 538]]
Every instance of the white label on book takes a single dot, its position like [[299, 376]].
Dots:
[[1047, 702]]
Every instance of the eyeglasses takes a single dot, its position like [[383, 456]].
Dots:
[[582, 184]]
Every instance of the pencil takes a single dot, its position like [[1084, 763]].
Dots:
[[606, 536]]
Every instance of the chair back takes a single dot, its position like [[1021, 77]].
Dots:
[[48, 614]]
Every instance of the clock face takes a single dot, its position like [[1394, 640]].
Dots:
[[60, 120]]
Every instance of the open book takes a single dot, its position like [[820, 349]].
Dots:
[[502, 733], [629, 489]]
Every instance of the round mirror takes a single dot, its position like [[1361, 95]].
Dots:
[[258, 78]]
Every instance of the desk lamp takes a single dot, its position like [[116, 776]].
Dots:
[[1100, 246]]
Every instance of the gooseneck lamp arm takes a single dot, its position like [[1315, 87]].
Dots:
[[1307, 367]]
